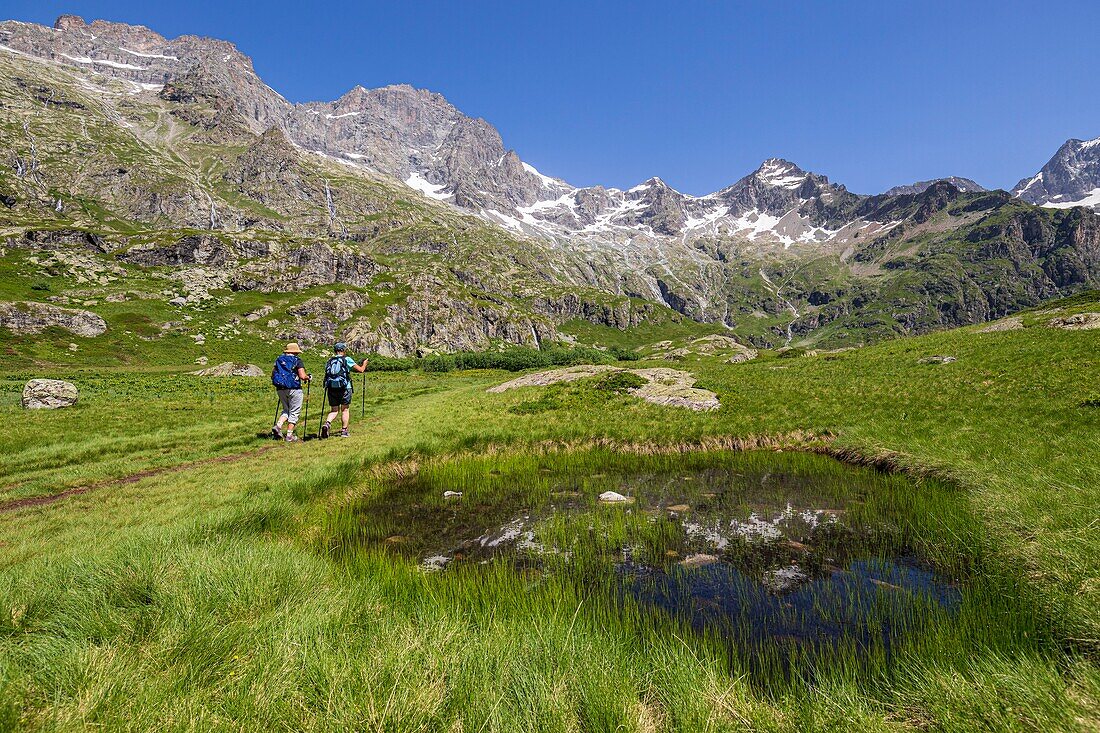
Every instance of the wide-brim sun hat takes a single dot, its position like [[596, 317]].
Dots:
[[292, 348]]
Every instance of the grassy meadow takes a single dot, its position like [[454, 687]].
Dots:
[[189, 587]]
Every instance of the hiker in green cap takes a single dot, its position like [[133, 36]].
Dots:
[[338, 389]]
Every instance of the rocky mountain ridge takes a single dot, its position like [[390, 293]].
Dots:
[[424, 141], [426, 233]]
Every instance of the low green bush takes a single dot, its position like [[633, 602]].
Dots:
[[513, 359]]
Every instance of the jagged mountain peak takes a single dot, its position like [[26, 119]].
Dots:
[[780, 173], [963, 184], [655, 183], [1070, 178]]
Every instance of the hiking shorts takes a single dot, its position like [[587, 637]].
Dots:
[[290, 402], [339, 396]]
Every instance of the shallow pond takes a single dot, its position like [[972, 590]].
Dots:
[[777, 556]]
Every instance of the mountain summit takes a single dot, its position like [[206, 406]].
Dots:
[[1070, 178]]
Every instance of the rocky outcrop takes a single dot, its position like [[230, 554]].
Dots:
[[321, 320], [49, 394], [668, 387], [1077, 322], [298, 268], [29, 317], [262, 312], [230, 369], [618, 313], [726, 347], [1015, 323], [189, 250], [432, 319]]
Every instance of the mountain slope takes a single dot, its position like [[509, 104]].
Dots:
[[128, 150], [169, 198]]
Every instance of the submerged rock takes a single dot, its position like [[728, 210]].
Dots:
[[435, 563], [784, 579], [229, 369], [698, 560], [49, 394]]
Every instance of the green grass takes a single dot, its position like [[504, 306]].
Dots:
[[197, 598]]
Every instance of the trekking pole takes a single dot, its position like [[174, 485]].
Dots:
[[278, 408], [363, 398], [305, 422], [324, 402]]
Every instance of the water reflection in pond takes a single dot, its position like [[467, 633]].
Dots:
[[775, 554]]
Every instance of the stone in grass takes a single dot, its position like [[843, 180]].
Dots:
[[1015, 323], [49, 394], [229, 369], [937, 359], [451, 494], [613, 497], [669, 387], [1077, 322]]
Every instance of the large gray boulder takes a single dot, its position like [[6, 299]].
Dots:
[[33, 317], [229, 369], [49, 394]]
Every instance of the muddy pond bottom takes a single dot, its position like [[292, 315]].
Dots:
[[776, 557]]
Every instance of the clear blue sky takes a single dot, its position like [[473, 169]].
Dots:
[[871, 94]]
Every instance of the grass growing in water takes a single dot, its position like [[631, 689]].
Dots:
[[804, 600]]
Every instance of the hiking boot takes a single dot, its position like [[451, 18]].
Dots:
[[291, 438], [344, 433], [276, 433], [324, 431]]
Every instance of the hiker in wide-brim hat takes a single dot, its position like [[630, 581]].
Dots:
[[287, 376]]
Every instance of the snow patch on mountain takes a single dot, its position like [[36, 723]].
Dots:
[[546, 180], [113, 64], [1091, 200], [431, 190], [148, 55]]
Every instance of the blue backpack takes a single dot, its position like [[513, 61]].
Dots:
[[336, 373], [285, 375]]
